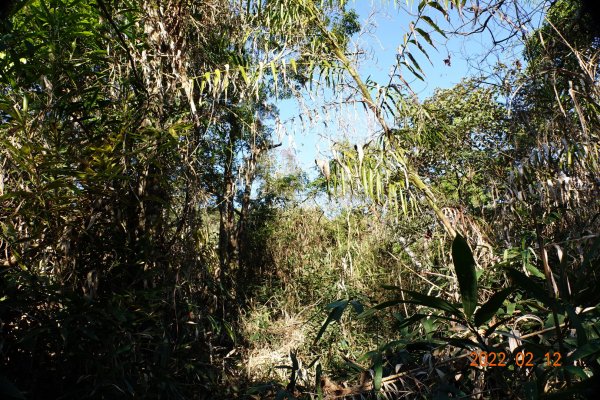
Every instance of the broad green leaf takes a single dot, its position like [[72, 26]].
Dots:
[[576, 371], [377, 360], [462, 343], [490, 308], [284, 394], [378, 368], [534, 271], [464, 263], [336, 304]]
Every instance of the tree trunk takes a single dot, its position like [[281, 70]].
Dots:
[[227, 226]]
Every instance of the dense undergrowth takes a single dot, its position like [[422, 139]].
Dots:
[[153, 246]]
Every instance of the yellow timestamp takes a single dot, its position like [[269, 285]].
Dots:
[[522, 359]]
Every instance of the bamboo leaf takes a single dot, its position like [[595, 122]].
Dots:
[[357, 305], [378, 369], [433, 25], [244, 74], [464, 264], [337, 309], [415, 63], [438, 6], [217, 78], [424, 52], [425, 36], [434, 302], [591, 348], [404, 322], [381, 306], [273, 69], [490, 308]]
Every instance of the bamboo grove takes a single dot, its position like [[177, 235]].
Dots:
[[155, 241]]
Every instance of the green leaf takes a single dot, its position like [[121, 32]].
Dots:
[[380, 306], [414, 62], [358, 307], [534, 271], [318, 375], [337, 309], [490, 308], [244, 74], [425, 36], [424, 52], [464, 263], [284, 394], [463, 343], [404, 322], [378, 368], [433, 25], [294, 65], [377, 360], [588, 349], [438, 7], [576, 371], [433, 302], [413, 71], [273, 70]]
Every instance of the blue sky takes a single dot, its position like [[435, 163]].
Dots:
[[385, 26]]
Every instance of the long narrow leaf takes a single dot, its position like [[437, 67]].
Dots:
[[403, 323], [591, 348], [380, 306], [464, 263], [490, 308], [378, 368], [433, 25], [337, 309], [433, 302]]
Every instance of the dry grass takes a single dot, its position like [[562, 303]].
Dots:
[[272, 340]]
